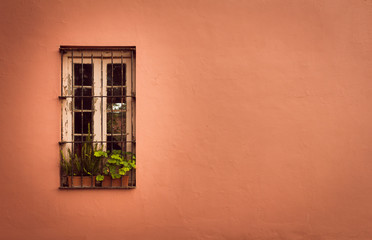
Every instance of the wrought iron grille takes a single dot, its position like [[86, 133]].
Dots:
[[98, 143]]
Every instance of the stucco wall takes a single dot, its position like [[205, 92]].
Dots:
[[254, 120]]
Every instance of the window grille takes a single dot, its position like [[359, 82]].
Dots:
[[98, 143]]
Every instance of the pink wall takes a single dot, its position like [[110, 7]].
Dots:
[[254, 120]]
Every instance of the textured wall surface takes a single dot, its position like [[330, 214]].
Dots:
[[254, 120]]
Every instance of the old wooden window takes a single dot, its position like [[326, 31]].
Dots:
[[98, 117]]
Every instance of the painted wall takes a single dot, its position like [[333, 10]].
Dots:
[[254, 120]]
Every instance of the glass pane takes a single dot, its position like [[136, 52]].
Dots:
[[87, 102], [116, 107], [119, 78], [117, 144], [87, 74], [87, 122], [116, 123], [116, 91]]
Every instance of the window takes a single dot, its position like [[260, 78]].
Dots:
[[97, 144]]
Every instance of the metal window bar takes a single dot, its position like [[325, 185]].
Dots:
[[92, 182], [102, 110], [123, 112], [133, 93], [73, 118], [82, 115], [121, 104]]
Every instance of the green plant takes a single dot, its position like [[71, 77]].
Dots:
[[83, 163], [90, 163], [70, 166], [116, 163]]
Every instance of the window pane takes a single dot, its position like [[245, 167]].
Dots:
[[115, 123], [117, 74], [87, 74], [116, 91], [115, 106], [87, 120], [87, 102], [116, 144]]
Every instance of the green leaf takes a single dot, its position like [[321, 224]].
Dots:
[[115, 175], [122, 171], [116, 156], [100, 178], [111, 160], [87, 172], [100, 154]]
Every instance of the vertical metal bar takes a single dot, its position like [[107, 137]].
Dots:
[[132, 111], [62, 73], [73, 118], [122, 117], [102, 110], [82, 116], [102, 98], [112, 99], [60, 167], [62, 95], [92, 118], [124, 101]]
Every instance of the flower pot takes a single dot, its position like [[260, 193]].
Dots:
[[118, 182], [77, 181]]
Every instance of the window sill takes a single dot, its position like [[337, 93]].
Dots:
[[98, 188]]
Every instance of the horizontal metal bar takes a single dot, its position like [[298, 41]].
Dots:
[[87, 188], [115, 111], [117, 134], [119, 57], [81, 134], [82, 86], [64, 48], [79, 110], [64, 97], [109, 134], [64, 142]]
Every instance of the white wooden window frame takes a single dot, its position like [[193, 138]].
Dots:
[[99, 128]]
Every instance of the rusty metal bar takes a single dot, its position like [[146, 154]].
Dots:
[[91, 188], [131, 113], [122, 120], [64, 142], [82, 114], [60, 167], [134, 109], [62, 95], [73, 117], [128, 96], [96, 48], [112, 93], [98, 57], [102, 97], [102, 110], [92, 118]]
